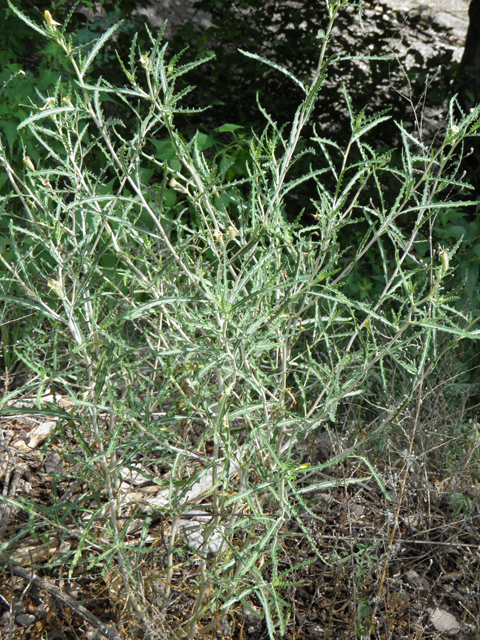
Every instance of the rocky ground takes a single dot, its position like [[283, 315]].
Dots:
[[452, 14], [457, 9], [431, 589]]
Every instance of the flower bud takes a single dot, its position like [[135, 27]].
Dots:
[[29, 163], [56, 287], [218, 236], [49, 20]]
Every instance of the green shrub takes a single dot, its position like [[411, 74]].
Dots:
[[32, 67], [197, 329]]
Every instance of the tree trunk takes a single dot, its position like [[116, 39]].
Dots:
[[471, 55]]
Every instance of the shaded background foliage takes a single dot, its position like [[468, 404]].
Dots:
[[31, 68], [233, 90]]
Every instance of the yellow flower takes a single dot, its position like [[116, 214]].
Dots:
[[49, 20]]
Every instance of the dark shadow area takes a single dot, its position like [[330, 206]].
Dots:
[[291, 35]]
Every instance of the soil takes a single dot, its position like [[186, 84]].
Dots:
[[334, 550]]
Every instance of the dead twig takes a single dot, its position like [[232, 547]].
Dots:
[[70, 602]]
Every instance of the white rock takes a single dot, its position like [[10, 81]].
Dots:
[[444, 621]]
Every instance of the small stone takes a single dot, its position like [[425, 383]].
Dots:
[[52, 462], [416, 581], [25, 619], [444, 621], [357, 511], [324, 445]]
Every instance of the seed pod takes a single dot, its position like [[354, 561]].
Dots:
[[443, 257], [232, 232]]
